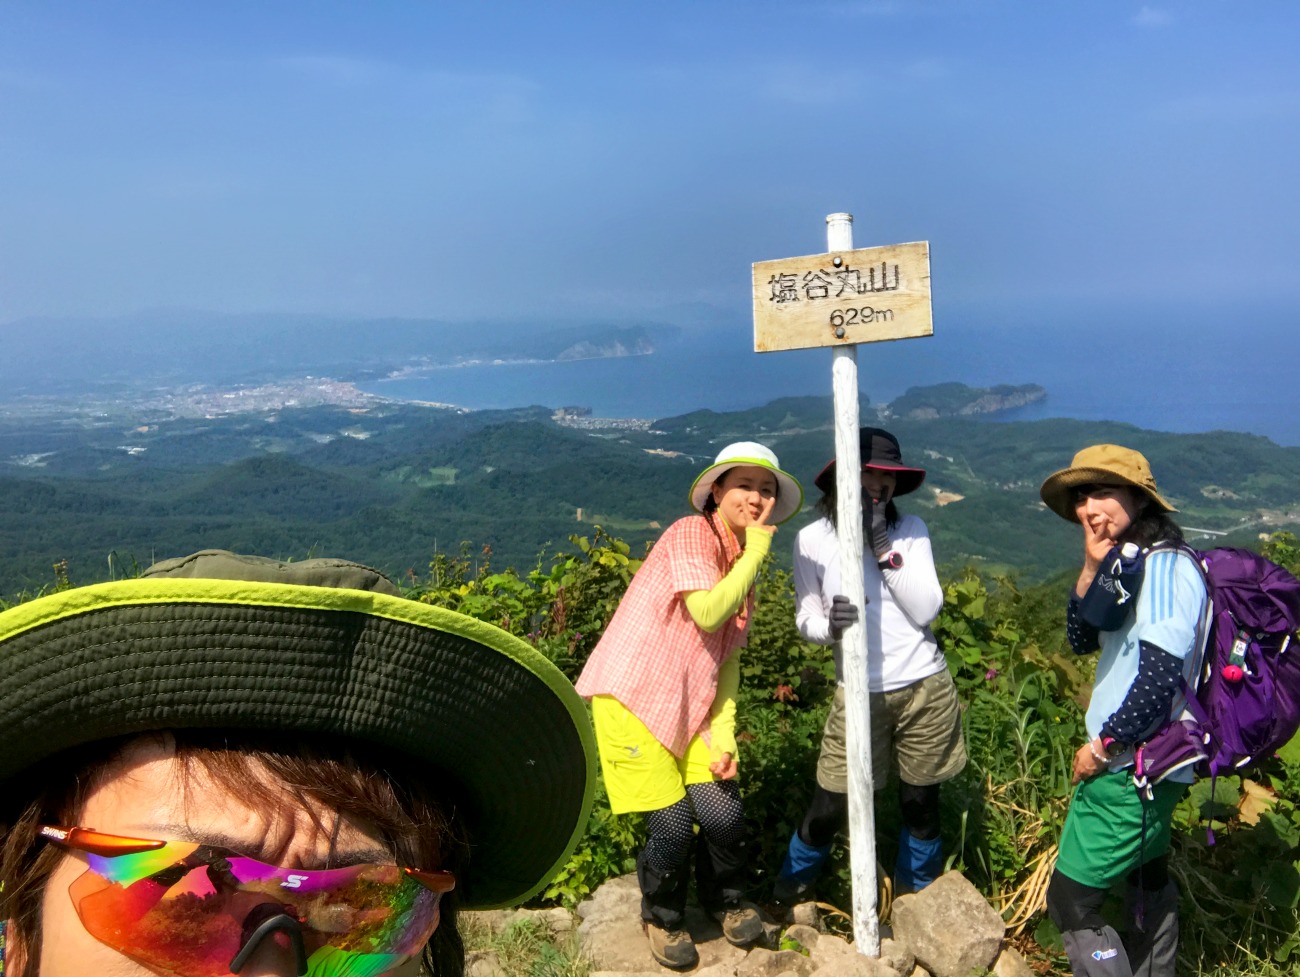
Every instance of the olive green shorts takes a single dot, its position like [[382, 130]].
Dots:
[[915, 732]]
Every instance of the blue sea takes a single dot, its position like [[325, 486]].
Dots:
[[1187, 370]]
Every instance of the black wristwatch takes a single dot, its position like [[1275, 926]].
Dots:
[[1113, 747], [892, 560]]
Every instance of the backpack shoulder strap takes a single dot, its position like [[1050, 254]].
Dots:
[[1178, 546]]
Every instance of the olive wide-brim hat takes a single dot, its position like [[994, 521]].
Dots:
[[789, 493], [221, 641], [1100, 464]]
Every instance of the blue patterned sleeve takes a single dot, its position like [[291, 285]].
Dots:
[[1150, 697], [1084, 637]]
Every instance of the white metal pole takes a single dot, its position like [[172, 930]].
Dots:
[[853, 643]]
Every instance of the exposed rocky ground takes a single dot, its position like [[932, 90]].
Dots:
[[947, 930]]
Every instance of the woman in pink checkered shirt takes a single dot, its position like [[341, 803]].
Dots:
[[663, 682]]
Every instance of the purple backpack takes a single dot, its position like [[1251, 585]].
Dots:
[[1246, 702]]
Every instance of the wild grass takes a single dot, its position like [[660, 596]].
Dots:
[[525, 948]]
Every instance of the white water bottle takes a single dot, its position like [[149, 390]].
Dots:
[[1114, 589]]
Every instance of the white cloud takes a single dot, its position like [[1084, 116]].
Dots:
[[344, 72], [924, 68], [1218, 109], [1153, 18], [15, 81]]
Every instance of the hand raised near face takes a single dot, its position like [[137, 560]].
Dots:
[[1097, 542], [875, 522], [765, 513], [1096, 546]]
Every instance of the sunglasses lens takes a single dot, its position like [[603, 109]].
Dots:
[[188, 910]]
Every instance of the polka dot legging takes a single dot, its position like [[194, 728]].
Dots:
[[718, 809], [720, 861]]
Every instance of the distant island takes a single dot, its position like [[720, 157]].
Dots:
[[629, 345], [959, 400], [807, 413]]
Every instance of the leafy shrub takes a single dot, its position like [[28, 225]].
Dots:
[[1023, 695], [561, 609]]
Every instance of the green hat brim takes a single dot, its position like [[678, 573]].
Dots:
[[789, 496], [458, 694]]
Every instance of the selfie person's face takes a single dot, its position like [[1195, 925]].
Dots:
[[142, 797]]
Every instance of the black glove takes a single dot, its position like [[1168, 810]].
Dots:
[[843, 613], [873, 521]]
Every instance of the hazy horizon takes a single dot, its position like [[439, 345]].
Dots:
[[1108, 189], [467, 160], [1184, 369]]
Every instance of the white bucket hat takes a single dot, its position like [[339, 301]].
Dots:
[[789, 493]]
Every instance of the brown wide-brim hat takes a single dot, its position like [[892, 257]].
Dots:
[[221, 641], [879, 450], [1100, 464]]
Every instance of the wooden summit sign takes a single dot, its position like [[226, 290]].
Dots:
[[844, 297]]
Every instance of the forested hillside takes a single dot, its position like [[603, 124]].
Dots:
[[391, 483]]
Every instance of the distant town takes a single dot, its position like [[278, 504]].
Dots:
[[203, 401], [196, 401]]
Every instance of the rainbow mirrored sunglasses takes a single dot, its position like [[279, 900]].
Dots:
[[195, 910]]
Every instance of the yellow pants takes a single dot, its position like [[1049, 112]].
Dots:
[[640, 773]]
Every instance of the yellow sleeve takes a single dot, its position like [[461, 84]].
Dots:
[[712, 608], [722, 714]]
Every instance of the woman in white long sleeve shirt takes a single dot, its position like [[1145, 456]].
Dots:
[[915, 718]]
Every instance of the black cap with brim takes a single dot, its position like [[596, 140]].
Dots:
[[879, 449], [455, 693]]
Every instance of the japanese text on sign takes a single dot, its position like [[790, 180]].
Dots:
[[787, 287], [862, 296]]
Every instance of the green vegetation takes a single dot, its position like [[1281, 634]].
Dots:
[[524, 948], [442, 476], [1022, 695], [291, 481]]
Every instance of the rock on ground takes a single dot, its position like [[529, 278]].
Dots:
[[1011, 964], [612, 936], [949, 926], [946, 930]]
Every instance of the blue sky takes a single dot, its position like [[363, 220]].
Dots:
[[467, 160]]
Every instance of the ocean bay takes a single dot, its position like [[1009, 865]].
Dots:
[[1181, 372]]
